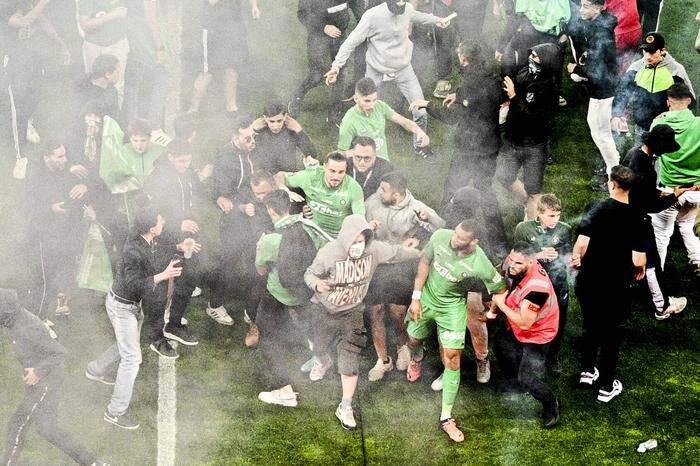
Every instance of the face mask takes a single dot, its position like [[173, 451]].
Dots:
[[356, 250], [394, 8], [533, 66]]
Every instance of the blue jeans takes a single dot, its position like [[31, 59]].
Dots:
[[126, 320]]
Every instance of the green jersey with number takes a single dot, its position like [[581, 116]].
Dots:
[[329, 205], [448, 271]]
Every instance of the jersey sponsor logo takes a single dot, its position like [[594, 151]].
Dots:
[[351, 281], [324, 209], [529, 97]]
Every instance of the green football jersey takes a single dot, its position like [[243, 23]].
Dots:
[[356, 123]]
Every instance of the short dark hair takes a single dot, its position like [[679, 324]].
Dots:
[[49, 145], [337, 157], [103, 64], [139, 126], [364, 141], [472, 50], [179, 147], [184, 125], [275, 108], [469, 226], [278, 200], [526, 249], [397, 182], [145, 218], [622, 176], [365, 86], [679, 91], [549, 201], [260, 177]]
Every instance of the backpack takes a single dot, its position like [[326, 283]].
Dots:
[[297, 252]]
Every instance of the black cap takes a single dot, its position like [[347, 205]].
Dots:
[[653, 42], [661, 140]]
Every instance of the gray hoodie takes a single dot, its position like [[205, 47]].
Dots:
[[350, 278], [399, 222], [388, 47]]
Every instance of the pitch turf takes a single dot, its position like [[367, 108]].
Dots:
[[220, 421]]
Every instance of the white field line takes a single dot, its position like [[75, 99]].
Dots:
[[167, 409]]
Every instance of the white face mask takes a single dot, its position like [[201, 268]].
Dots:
[[356, 250]]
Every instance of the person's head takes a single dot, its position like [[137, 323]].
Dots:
[[106, 66], [660, 140], [548, 210], [244, 134], [396, 7], [277, 204], [678, 97], [180, 155], [521, 258], [139, 132], [464, 238], [365, 95], [147, 221], [392, 188], [261, 184], [185, 127], [274, 116], [334, 169], [364, 153], [653, 48], [621, 180], [54, 155], [469, 53], [591, 9]]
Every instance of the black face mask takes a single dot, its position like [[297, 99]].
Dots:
[[394, 8]]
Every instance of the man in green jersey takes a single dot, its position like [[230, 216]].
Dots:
[[305, 238], [330, 194], [450, 258]]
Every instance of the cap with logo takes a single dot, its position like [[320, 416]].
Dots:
[[652, 42]]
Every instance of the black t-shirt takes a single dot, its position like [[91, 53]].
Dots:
[[615, 230], [221, 15], [644, 196], [278, 152], [13, 38], [371, 178]]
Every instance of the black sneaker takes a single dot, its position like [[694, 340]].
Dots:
[[164, 349], [427, 154], [550, 416], [123, 421], [105, 379], [294, 107], [180, 333]]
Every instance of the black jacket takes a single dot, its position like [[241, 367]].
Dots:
[[370, 180], [137, 266], [474, 112], [595, 46], [644, 196], [535, 102], [232, 170], [278, 152], [31, 340], [316, 14]]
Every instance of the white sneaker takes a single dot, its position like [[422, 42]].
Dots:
[[197, 291], [319, 370], [675, 306], [605, 395], [403, 358], [278, 397], [346, 417], [436, 386], [246, 317], [308, 365], [220, 315], [587, 378], [379, 369], [483, 371]]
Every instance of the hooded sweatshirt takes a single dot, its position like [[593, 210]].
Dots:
[[399, 222], [535, 101], [349, 277], [388, 47], [31, 340], [646, 87], [681, 167], [596, 40]]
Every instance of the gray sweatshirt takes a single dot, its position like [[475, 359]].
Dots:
[[349, 278], [399, 222], [388, 47]]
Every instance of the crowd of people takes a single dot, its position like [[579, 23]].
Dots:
[[323, 243]]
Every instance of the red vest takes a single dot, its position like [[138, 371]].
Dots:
[[547, 321]]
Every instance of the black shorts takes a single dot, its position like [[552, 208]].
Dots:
[[531, 158], [224, 48]]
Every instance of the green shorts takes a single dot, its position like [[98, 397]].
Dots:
[[451, 324]]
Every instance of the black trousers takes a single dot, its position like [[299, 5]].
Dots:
[[605, 310], [561, 289], [40, 407], [524, 363], [470, 168], [649, 13]]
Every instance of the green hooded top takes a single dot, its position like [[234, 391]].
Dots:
[[683, 166], [545, 15]]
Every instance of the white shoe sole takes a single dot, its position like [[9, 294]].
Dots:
[[219, 321], [115, 423], [291, 403], [95, 378], [172, 336], [345, 426], [155, 350], [607, 398]]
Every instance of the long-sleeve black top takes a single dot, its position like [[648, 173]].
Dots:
[[595, 44], [278, 152], [316, 14], [232, 170], [136, 268], [644, 196]]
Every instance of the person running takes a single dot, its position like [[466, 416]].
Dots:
[[450, 258]]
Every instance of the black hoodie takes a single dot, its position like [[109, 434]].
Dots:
[[31, 340], [595, 45], [536, 96], [316, 14]]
